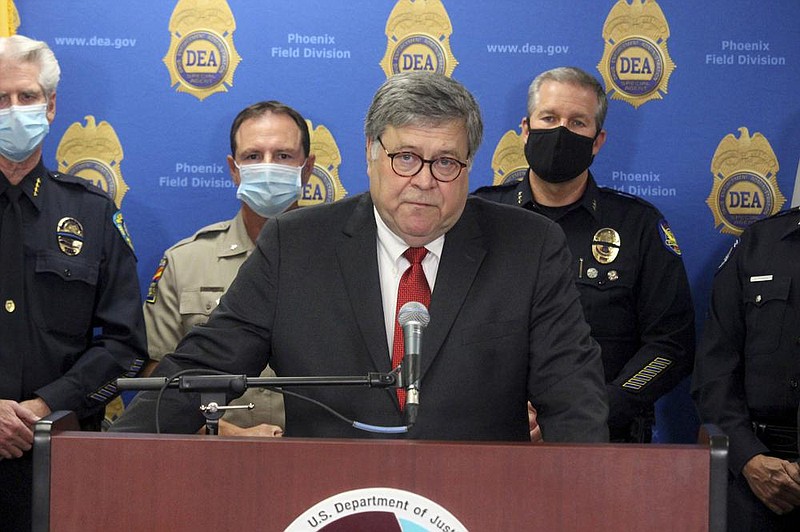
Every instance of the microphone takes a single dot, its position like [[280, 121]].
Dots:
[[413, 317]]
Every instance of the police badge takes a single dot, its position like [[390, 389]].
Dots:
[[636, 65], [745, 187], [202, 58], [69, 233], [508, 162], [418, 38], [94, 153], [323, 185]]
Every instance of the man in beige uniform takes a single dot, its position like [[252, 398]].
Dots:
[[269, 163]]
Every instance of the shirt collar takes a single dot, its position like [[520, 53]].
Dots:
[[396, 246], [590, 201], [33, 185], [235, 241]]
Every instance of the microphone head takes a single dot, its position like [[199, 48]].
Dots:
[[413, 311]]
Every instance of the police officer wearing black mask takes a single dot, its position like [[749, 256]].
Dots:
[[627, 263]]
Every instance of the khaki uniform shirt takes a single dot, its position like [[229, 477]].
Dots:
[[192, 276]]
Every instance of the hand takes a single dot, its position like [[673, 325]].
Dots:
[[533, 425], [774, 481], [263, 430], [16, 436], [37, 406]]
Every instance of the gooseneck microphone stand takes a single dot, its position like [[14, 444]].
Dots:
[[213, 390]]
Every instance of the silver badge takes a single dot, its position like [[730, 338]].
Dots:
[[70, 236]]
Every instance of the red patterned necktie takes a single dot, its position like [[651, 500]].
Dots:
[[413, 287]]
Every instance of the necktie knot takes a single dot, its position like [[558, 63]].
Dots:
[[415, 255]]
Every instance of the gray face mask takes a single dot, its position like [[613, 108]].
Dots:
[[269, 188]]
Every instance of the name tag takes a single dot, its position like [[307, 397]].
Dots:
[[759, 278]]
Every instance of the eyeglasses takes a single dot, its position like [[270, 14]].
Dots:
[[409, 164]]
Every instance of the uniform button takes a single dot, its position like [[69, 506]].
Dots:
[[758, 298], [10, 305], [208, 306], [67, 272], [793, 383]]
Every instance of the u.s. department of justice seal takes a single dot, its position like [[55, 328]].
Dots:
[[323, 185], [636, 65], [94, 153], [202, 58], [418, 33], [745, 186], [508, 162]]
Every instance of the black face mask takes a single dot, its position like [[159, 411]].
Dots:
[[557, 155]]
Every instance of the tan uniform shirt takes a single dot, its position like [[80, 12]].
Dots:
[[191, 278]]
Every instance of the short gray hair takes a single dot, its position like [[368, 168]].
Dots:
[[21, 49], [573, 76], [423, 99]]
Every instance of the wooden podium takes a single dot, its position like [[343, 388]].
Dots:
[[141, 482]]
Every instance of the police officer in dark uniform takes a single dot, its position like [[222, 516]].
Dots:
[[747, 372], [628, 266], [70, 308]]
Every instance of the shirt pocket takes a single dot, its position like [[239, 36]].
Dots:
[[609, 303], [197, 304], [65, 288], [765, 305]]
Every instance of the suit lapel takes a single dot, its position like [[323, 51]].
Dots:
[[358, 261], [463, 253]]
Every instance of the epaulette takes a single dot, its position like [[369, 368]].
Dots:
[[779, 214], [607, 190], [75, 180], [214, 228], [501, 187]]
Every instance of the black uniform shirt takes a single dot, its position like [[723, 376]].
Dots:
[[638, 303], [84, 325], [748, 363]]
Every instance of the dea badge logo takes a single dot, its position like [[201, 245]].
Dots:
[[385, 509], [418, 33], [508, 162], [202, 58], [745, 186], [636, 65], [9, 19], [323, 184], [94, 153]]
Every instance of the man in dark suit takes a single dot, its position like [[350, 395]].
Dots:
[[318, 296]]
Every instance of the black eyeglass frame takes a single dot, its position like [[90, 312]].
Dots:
[[422, 164]]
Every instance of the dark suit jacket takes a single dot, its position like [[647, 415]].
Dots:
[[506, 327]]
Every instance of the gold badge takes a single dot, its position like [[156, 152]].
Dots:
[[323, 185], [636, 65], [508, 162], [202, 58], [70, 236], [418, 33], [745, 185], [605, 245], [94, 153], [9, 19]]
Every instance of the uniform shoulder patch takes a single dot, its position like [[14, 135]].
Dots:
[[668, 238], [152, 290], [119, 223]]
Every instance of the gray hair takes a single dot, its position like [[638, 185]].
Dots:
[[21, 49], [423, 99], [573, 76]]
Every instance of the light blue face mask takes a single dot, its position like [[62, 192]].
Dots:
[[269, 188], [22, 130]]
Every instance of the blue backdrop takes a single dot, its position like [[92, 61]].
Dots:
[[167, 78]]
